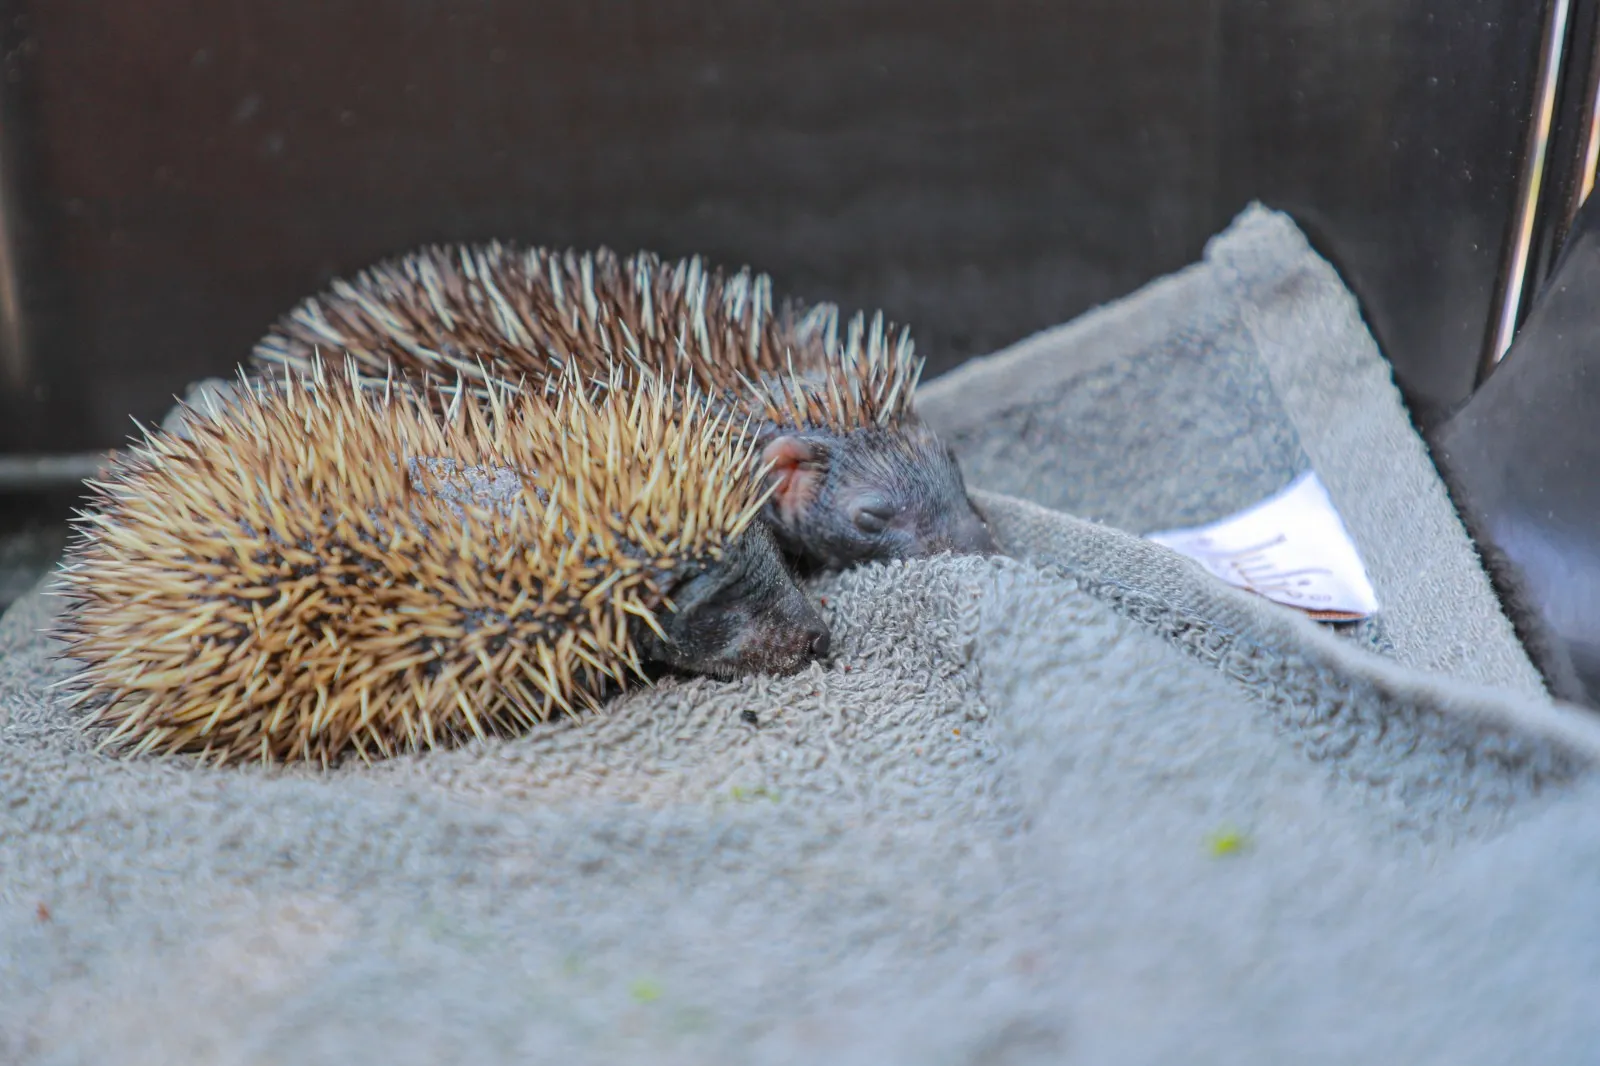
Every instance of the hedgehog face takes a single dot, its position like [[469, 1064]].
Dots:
[[740, 615], [871, 494]]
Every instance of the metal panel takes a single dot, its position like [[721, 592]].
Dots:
[[1521, 460], [174, 173]]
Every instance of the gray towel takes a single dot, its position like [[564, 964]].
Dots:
[[1208, 391], [1086, 804]]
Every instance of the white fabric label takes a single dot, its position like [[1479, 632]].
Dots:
[[1292, 548]]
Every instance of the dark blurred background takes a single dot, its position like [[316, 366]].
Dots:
[[179, 172], [176, 173]]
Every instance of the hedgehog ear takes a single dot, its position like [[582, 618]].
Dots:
[[798, 466]]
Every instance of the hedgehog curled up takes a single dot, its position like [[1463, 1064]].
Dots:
[[284, 583], [857, 476]]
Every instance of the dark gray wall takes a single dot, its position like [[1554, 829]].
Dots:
[[178, 173]]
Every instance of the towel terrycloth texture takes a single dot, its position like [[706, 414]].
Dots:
[[1085, 804], [1212, 389]]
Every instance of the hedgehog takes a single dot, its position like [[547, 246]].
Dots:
[[856, 475], [298, 577]]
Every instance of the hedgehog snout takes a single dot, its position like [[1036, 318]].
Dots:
[[971, 536], [791, 648], [792, 643], [965, 534]]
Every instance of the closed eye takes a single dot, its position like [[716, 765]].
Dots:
[[873, 517]]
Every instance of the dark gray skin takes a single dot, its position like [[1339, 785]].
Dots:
[[869, 495], [743, 614]]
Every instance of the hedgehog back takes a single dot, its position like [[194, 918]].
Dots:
[[499, 312], [275, 585]]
